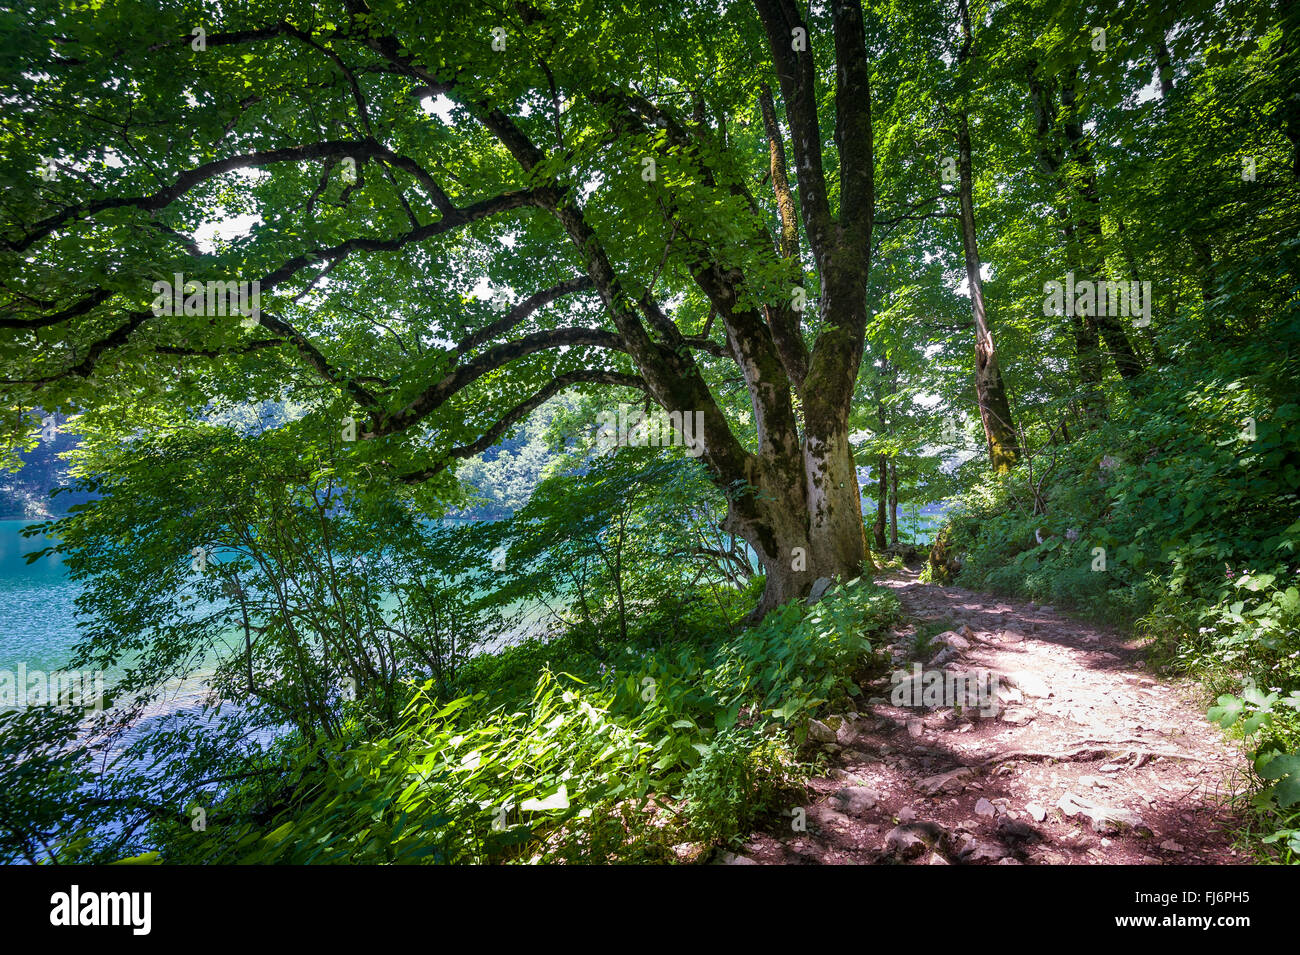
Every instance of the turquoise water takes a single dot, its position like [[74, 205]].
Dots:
[[37, 622], [37, 611], [919, 530], [916, 525], [37, 627]]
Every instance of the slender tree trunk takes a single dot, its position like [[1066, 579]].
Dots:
[[990, 390], [893, 504], [1158, 355], [1204, 258], [1083, 329], [617, 573], [1090, 236], [882, 463], [882, 502], [893, 470], [1165, 68], [1288, 64]]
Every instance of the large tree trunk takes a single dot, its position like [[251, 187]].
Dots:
[[804, 507], [803, 526], [794, 499]]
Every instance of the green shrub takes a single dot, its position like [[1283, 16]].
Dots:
[[582, 771], [743, 776]]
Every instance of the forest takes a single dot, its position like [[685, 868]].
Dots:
[[856, 431]]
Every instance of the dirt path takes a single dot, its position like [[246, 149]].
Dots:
[[1088, 759]]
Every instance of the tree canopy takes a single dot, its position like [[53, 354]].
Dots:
[[305, 277]]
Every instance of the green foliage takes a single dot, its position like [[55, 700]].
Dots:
[[325, 562], [508, 785], [687, 741], [619, 540], [743, 777], [43, 773], [500, 481], [338, 586], [1152, 486]]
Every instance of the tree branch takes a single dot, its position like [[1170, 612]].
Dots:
[[462, 376], [494, 433]]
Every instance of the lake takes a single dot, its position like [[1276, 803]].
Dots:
[[37, 626], [37, 601], [918, 525], [38, 616]]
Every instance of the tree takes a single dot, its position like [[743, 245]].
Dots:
[[990, 390], [605, 202]]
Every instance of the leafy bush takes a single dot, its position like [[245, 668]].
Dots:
[[584, 771], [443, 789], [743, 776]]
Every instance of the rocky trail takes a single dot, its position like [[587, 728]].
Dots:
[[1087, 759]]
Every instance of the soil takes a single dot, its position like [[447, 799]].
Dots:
[[1089, 758]]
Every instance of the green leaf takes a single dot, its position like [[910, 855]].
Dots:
[[1227, 712]]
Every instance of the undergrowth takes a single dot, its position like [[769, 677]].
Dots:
[[653, 751]]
